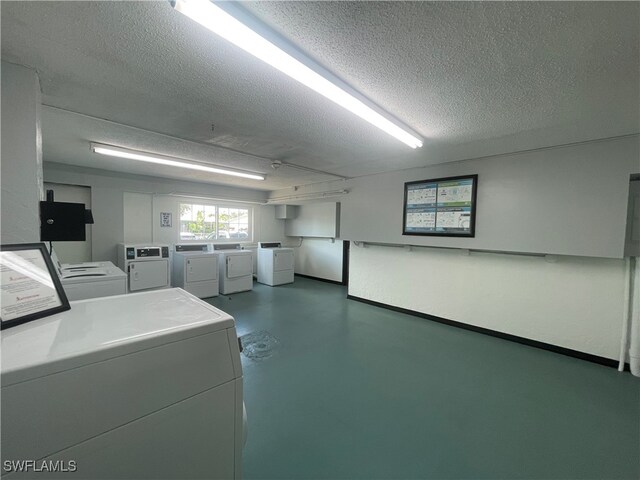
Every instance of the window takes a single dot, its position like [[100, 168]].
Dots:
[[215, 222]]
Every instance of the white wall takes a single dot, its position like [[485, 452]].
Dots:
[[319, 257], [576, 302], [108, 202], [268, 227], [171, 205], [315, 220], [567, 201], [138, 211], [21, 166]]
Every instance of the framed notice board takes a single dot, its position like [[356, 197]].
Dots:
[[443, 207], [31, 288]]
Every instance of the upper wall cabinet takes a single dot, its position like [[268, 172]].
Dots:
[[286, 212]]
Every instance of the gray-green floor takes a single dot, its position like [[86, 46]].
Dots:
[[356, 391]]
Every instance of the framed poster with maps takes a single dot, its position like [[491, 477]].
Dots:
[[30, 287], [442, 206]]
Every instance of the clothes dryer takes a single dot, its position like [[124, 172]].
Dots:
[[235, 268], [275, 264], [147, 266], [195, 269]]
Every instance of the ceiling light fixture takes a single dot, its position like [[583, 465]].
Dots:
[[308, 196], [228, 27], [169, 161]]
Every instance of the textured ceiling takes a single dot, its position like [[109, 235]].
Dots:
[[474, 78], [65, 139]]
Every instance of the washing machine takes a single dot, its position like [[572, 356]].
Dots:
[[147, 266], [275, 264], [236, 268], [145, 385], [195, 269], [92, 280]]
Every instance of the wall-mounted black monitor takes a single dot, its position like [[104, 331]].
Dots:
[[62, 221], [441, 206]]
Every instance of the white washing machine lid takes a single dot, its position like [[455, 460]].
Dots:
[[80, 274], [101, 328]]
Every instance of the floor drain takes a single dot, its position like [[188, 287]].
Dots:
[[258, 345]]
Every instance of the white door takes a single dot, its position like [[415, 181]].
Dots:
[[282, 260], [145, 275], [201, 269], [72, 252], [239, 265]]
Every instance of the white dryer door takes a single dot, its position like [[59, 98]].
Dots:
[[239, 265], [282, 260], [201, 269], [145, 275]]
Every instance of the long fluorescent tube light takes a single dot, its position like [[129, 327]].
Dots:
[[220, 22], [161, 160], [308, 196]]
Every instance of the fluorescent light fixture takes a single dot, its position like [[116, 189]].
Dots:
[[308, 196], [222, 23], [171, 162]]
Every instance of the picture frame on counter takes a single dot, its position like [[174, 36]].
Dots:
[[30, 286]]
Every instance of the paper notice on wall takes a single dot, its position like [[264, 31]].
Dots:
[[165, 219]]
